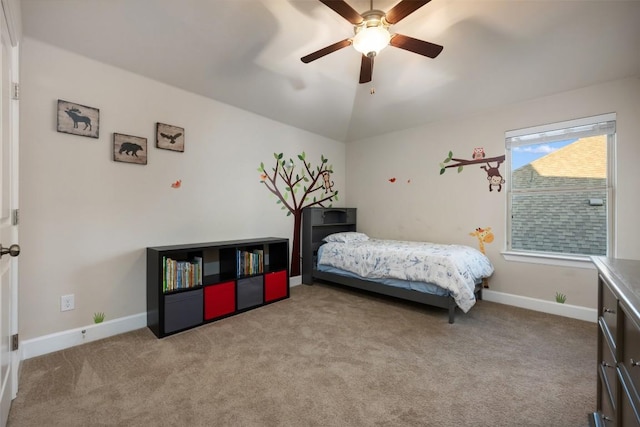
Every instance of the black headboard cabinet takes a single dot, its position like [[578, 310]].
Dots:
[[317, 223]]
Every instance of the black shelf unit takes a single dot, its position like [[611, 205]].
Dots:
[[224, 289], [318, 223]]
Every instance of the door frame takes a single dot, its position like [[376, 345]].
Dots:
[[11, 17]]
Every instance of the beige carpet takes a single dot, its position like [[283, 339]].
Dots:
[[325, 357]]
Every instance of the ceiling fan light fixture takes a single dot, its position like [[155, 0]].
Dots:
[[371, 34], [370, 40]]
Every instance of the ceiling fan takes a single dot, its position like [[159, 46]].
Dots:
[[372, 34]]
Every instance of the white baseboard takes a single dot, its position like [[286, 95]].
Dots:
[[73, 337], [66, 339], [551, 307]]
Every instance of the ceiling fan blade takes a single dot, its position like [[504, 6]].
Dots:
[[366, 69], [325, 51], [420, 47], [403, 9], [344, 10]]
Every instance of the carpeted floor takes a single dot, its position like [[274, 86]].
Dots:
[[325, 357]]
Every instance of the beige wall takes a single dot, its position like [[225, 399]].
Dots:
[[86, 220], [446, 208]]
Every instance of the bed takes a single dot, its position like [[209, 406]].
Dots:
[[446, 276]]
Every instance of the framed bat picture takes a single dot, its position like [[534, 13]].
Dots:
[[169, 137], [129, 149], [78, 119]]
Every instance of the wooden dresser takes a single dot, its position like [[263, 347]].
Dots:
[[618, 343]]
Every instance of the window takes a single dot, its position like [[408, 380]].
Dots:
[[560, 192]]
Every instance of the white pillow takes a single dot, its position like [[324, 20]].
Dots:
[[346, 237]]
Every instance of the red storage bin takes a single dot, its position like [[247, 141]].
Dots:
[[219, 300], [275, 285]]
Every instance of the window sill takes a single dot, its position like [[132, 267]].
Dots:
[[550, 259]]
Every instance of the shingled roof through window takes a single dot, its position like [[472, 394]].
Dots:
[[563, 222]]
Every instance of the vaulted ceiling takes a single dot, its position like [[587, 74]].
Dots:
[[246, 53]]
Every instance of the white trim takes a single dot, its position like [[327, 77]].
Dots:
[[602, 124], [295, 281], [13, 18], [73, 337], [560, 125], [551, 307], [550, 259], [66, 339]]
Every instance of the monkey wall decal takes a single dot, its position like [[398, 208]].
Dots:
[[493, 172], [328, 184], [493, 176]]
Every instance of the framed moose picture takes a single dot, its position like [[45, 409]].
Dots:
[[129, 149], [169, 137], [78, 119]]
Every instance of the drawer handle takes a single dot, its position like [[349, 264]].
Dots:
[[606, 365], [607, 419], [634, 363], [608, 310]]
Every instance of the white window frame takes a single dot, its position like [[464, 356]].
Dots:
[[587, 126]]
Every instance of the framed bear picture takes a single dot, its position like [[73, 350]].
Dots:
[[129, 149]]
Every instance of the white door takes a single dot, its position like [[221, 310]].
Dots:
[[8, 222]]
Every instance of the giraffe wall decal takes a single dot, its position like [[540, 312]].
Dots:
[[484, 235]]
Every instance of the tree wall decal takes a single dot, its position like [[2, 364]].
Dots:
[[317, 190]]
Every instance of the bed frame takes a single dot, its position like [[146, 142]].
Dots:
[[318, 223]]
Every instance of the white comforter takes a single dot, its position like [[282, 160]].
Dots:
[[453, 267]]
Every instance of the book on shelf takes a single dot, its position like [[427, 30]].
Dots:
[[249, 263], [199, 270], [181, 274]]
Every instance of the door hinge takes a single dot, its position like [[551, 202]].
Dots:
[[14, 342], [15, 92], [15, 218]]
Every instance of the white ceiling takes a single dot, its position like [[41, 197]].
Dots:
[[246, 53]]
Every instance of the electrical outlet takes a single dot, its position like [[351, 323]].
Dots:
[[67, 302]]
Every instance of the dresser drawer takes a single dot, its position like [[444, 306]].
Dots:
[[608, 373], [609, 309], [631, 353], [629, 411], [606, 410]]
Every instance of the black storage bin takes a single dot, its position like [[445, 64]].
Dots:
[[183, 310], [250, 292]]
